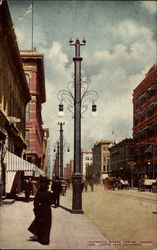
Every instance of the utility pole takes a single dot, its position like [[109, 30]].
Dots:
[[61, 148], [77, 176]]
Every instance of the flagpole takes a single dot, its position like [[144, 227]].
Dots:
[[32, 25]]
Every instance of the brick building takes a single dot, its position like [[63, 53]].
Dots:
[[145, 126], [33, 64], [86, 160]]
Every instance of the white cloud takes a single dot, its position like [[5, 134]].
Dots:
[[150, 6]]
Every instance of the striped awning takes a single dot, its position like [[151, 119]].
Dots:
[[15, 163]]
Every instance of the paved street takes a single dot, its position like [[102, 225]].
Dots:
[[69, 231], [123, 215]]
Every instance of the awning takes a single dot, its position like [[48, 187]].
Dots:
[[15, 163]]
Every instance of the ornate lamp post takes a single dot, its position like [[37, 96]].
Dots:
[[61, 148], [77, 95]]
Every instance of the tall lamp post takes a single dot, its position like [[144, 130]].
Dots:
[[56, 163], [77, 97], [61, 148], [77, 176]]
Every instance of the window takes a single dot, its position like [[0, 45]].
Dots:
[[27, 138], [143, 98], [136, 120], [142, 115], [27, 111], [136, 104], [87, 158], [150, 110], [151, 91], [28, 79], [150, 131]]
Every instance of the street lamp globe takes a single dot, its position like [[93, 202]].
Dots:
[[94, 114], [60, 113]]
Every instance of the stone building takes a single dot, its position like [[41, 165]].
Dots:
[[86, 160], [145, 125], [14, 96], [101, 158]]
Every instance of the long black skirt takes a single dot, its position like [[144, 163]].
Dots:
[[41, 225]]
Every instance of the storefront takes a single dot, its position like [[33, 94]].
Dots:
[[17, 170]]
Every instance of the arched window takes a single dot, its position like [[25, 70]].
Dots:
[[27, 112]]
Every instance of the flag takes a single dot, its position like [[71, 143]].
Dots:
[[113, 131], [29, 10]]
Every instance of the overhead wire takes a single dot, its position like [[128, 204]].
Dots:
[[74, 18], [88, 18]]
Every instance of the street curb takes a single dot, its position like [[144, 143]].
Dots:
[[8, 201]]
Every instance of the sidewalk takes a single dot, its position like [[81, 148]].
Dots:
[[69, 231]]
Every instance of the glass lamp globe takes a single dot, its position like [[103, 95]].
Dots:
[[60, 113], [94, 114]]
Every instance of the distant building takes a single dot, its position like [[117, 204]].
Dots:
[[86, 160], [33, 64], [121, 154], [46, 151], [145, 126], [101, 158], [14, 96], [68, 172]]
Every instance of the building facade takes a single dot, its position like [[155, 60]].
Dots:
[[101, 158], [145, 126], [14, 96], [121, 155], [68, 172], [33, 65], [86, 160], [46, 153]]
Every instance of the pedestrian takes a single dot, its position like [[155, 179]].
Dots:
[[56, 187], [86, 185], [34, 187], [27, 189], [41, 225], [91, 183], [82, 185]]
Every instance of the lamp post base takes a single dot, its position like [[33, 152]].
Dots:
[[77, 194]]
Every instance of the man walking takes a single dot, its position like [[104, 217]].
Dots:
[[56, 187]]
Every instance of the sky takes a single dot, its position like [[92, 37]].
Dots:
[[120, 49]]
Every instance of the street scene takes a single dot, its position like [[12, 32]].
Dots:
[[78, 124]]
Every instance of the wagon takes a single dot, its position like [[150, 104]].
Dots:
[[109, 183], [147, 184]]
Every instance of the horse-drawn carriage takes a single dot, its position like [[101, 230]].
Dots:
[[112, 183], [147, 184]]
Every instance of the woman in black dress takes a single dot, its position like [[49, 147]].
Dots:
[[41, 225]]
